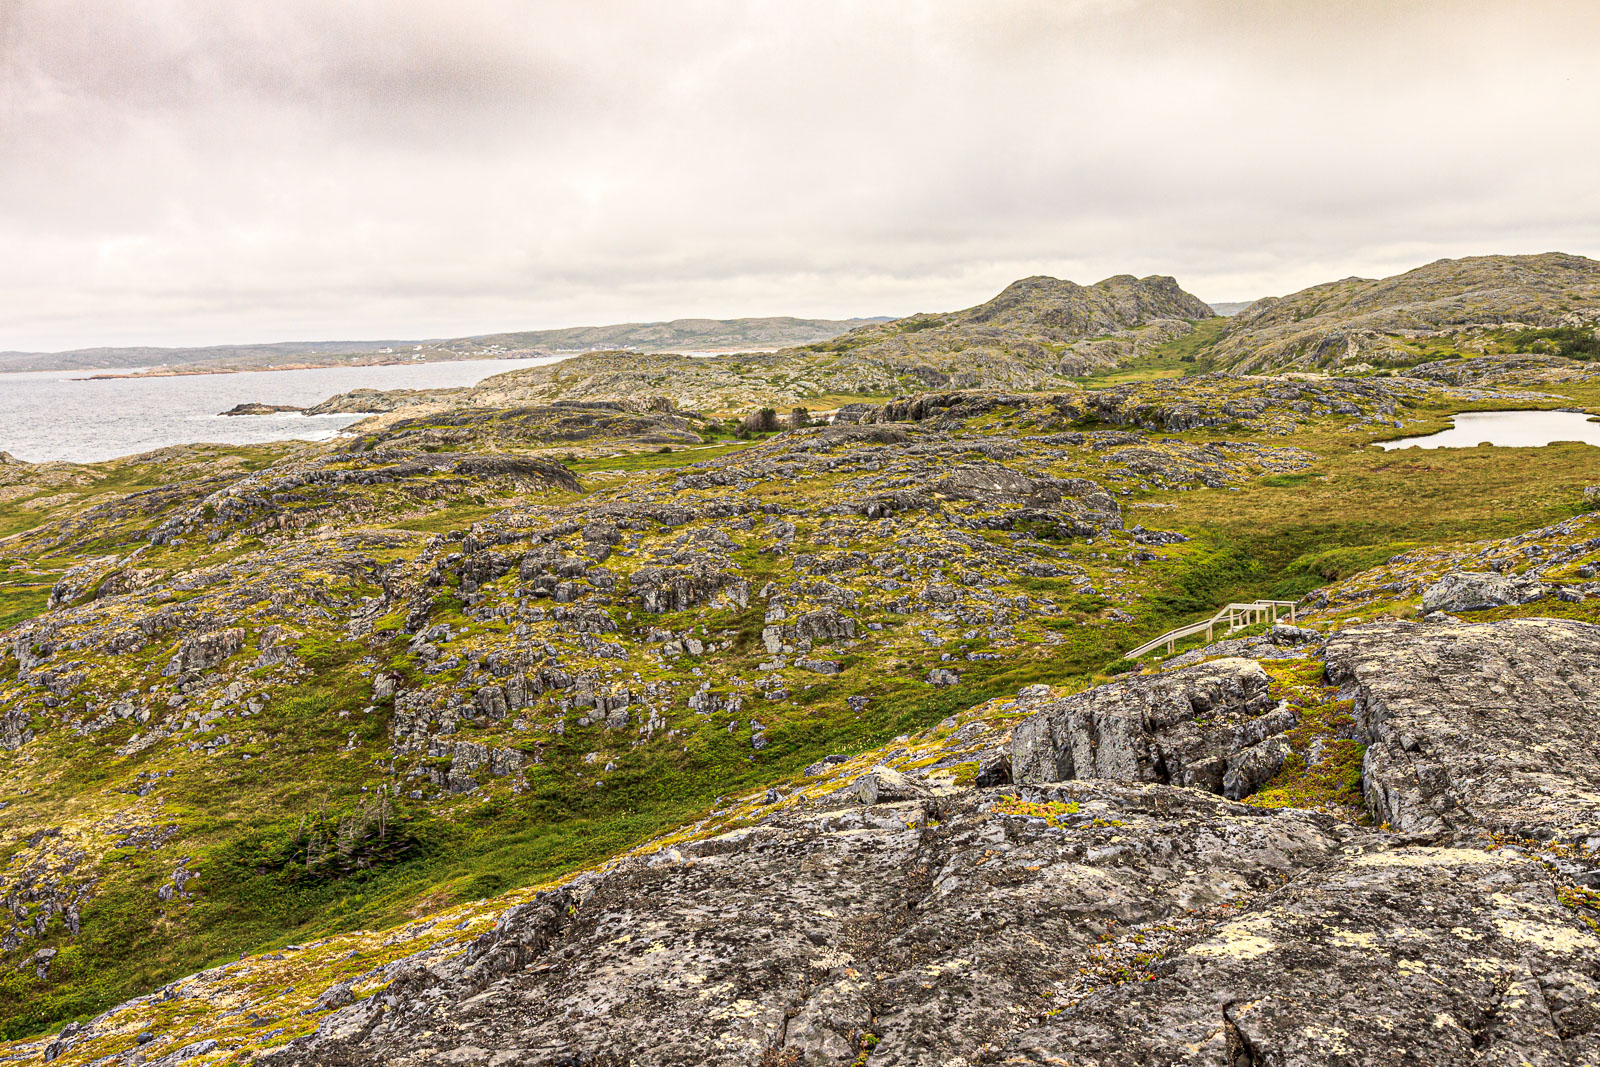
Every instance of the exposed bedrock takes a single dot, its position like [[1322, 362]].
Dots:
[[1474, 591], [1405, 955], [1491, 725], [936, 926], [1211, 726]]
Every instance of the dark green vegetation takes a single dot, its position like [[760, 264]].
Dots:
[[1189, 354], [1568, 341], [1368, 505], [1333, 779]]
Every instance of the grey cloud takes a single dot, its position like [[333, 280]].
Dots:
[[184, 171]]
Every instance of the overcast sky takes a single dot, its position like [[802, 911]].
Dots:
[[194, 171]]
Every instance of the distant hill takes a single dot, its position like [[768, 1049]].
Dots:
[[1038, 333], [675, 336], [1227, 308], [1484, 304]]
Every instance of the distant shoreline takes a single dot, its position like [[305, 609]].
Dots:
[[179, 372], [676, 337], [187, 372]]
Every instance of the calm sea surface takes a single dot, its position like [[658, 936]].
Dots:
[[1511, 429], [52, 415]]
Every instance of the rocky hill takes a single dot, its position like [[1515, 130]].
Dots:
[[1451, 308], [1039, 333], [588, 731]]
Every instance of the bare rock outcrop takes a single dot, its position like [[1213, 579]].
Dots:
[[1420, 955], [1081, 895], [936, 927], [1493, 725], [1207, 726], [204, 651], [1474, 591]]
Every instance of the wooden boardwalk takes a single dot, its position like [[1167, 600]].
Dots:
[[1233, 617]]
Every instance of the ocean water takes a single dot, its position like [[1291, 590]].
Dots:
[[1509, 429], [57, 415]]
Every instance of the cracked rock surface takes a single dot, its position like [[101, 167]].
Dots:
[[1096, 922], [1406, 954], [1479, 725], [1206, 726], [938, 926]]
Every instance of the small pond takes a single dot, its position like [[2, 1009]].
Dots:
[[1509, 429]]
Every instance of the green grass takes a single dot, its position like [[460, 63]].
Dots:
[[240, 820], [645, 461], [1285, 481], [1185, 355], [22, 600], [453, 517], [1368, 505]]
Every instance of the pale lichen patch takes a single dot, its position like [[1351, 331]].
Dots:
[[1242, 940], [1355, 939], [1561, 940], [1425, 857]]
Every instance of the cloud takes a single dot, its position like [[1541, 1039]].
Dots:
[[178, 171]]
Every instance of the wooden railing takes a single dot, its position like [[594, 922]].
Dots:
[[1234, 617]]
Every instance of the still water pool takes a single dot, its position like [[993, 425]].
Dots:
[[1509, 429]]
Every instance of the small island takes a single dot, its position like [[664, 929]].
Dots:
[[260, 409]]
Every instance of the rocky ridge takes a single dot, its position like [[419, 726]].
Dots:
[[1337, 917], [1465, 306], [1551, 569], [1039, 333]]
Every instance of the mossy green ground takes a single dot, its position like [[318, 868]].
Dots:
[[1325, 768], [1359, 505], [1186, 355]]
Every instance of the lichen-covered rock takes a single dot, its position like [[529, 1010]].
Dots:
[[908, 914], [1429, 956], [1358, 321], [1252, 767], [1186, 727], [664, 589], [1086, 923], [884, 785], [204, 651], [14, 729], [1494, 724], [1474, 591], [935, 926]]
